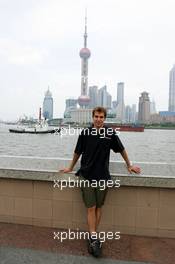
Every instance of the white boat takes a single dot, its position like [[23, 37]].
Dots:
[[40, 128], [37, 129]]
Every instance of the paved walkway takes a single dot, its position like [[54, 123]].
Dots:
[[25, 244], [10, 255]]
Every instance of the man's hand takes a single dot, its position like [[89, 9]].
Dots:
[[65, 170], [71, 165], [134, 169]]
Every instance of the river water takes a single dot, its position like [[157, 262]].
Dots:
[[148, 146]]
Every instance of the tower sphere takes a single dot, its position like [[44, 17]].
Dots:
[[83, 100], [85, 53]]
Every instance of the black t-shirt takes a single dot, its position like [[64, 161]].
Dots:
[[95, 148]]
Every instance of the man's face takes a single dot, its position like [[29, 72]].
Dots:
[[98, 119]]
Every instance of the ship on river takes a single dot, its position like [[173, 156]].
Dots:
[[126, 127], [41, 127]]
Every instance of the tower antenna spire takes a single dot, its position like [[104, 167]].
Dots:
[[85, 32]]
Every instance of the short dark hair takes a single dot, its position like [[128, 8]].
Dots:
[[99, 109]]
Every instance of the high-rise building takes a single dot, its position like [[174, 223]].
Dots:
[[133, 113], [48, 105], [120, 102], [114, 104], [109, 101], [128, 114], [171, 106], [144, 108], [152, 107], [120, 92], [93, 94], [85, 54], [103, 97], [99, 97], [71, 103]]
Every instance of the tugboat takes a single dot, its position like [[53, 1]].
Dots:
[[40, 128], [35, 130]]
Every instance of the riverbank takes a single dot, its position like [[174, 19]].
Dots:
[[160, 127]]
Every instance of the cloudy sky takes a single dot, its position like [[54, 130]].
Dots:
[[130, 40]]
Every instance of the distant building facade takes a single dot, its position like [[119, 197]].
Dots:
[[133, 114], [128, 114], [144, 108], [104, 99], [153, 107], [114, 104], [120, 102], [93, 94], [171, 106], [81, 116], [48, 105], [71, 103], [163, 117]]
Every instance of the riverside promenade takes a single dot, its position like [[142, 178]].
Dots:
[[32, 209]]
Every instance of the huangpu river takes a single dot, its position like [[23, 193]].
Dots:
[[148, 146]]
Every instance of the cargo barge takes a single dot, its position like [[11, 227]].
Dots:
[[126, 128]]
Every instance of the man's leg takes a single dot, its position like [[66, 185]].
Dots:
[[100, 199], [91, 219], [97, 197], [94, 244], [98, 216], [89, 198]]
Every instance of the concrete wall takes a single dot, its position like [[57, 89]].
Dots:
[[32, 199]]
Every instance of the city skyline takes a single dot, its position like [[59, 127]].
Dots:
[[39, 46]]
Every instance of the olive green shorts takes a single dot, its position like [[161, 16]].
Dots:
[[92, 196]]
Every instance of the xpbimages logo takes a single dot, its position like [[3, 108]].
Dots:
[[103, 131], [72, 183], [71, 235]]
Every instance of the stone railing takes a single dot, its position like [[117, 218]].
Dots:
[[142, 205]]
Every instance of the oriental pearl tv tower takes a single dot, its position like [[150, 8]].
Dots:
[[85, 54]]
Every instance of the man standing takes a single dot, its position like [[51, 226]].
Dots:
[[95, 150]]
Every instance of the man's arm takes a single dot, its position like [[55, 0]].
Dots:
[[72, 164], [130, 167]]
